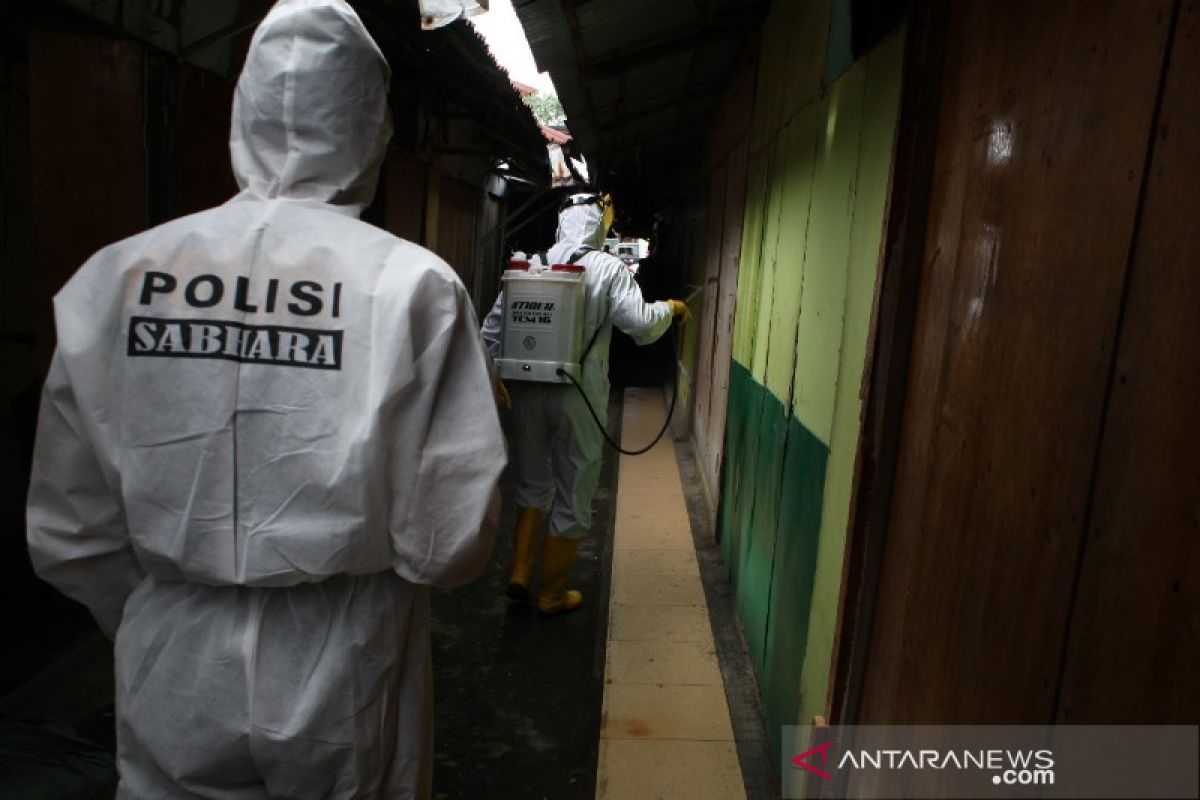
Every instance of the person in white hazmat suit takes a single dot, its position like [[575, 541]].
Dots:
[[557, 445], [267, 429]]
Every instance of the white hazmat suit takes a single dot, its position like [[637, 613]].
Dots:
[[557, 443], [266, 429]]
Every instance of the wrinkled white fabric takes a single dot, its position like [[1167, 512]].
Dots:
[[557, 444], [266, 428], [318, 690], [556, 448], [310, 113]]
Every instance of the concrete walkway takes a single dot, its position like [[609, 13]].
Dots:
[[666, 729]]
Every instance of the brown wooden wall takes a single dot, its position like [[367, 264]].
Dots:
[[722, 249], [404, 186], [81, 185], [88, 190], [458, 206], [205, 174], [19, 322], [1042, 559], [1134, 650]]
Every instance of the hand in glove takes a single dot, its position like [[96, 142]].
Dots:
[[502, 398], [680, 310]]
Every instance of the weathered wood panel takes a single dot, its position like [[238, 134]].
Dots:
[[404, 182], [18, 315], [458, 206], [727, 205], [1135, 635], [726, 297], [205, 172], [709, 324], [1046, 114], [87, 155]]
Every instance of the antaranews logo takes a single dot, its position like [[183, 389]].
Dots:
[[1001, 761], [1010, 767], [821, 750]]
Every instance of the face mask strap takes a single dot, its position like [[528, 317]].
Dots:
[[604, 201], [581, 200]]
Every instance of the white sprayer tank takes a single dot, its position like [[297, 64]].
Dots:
[[542, 331]]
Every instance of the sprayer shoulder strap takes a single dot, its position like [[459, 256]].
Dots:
[[575, 256], [544, 255]]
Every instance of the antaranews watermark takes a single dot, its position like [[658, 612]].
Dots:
[[1002, 761]]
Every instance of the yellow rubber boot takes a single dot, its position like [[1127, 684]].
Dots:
[[525, 541], [555, 597]]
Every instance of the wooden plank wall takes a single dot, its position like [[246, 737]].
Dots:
[[709, 443], [1135, 632], [18, 316], [205, 174], [818, 172], [1015, 472], [82, 185], [88, 190], [404, 184], [458, 206], [715, 306]]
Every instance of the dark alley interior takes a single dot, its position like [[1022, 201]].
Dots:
[[930, 452]]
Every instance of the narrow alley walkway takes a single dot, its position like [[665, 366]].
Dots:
[[666, 729], [518, 696], [932, 275], [626, 698]]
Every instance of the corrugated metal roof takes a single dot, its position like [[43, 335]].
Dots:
[[638, 77], [552, 136]]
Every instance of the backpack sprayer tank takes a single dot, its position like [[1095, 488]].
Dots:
[[542, 330]]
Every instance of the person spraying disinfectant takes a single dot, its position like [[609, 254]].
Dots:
[[558, 445]]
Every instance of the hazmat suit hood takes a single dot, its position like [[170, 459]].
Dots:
[[581, 225], [310, 114]]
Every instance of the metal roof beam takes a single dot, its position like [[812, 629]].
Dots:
[[665, 48], [228, 32], [709, 93], [672, 137], [582, 57]]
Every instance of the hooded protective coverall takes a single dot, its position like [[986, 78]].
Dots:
[[266, 429], [557, 443]]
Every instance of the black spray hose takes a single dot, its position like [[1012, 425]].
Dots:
[[562, 373]]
